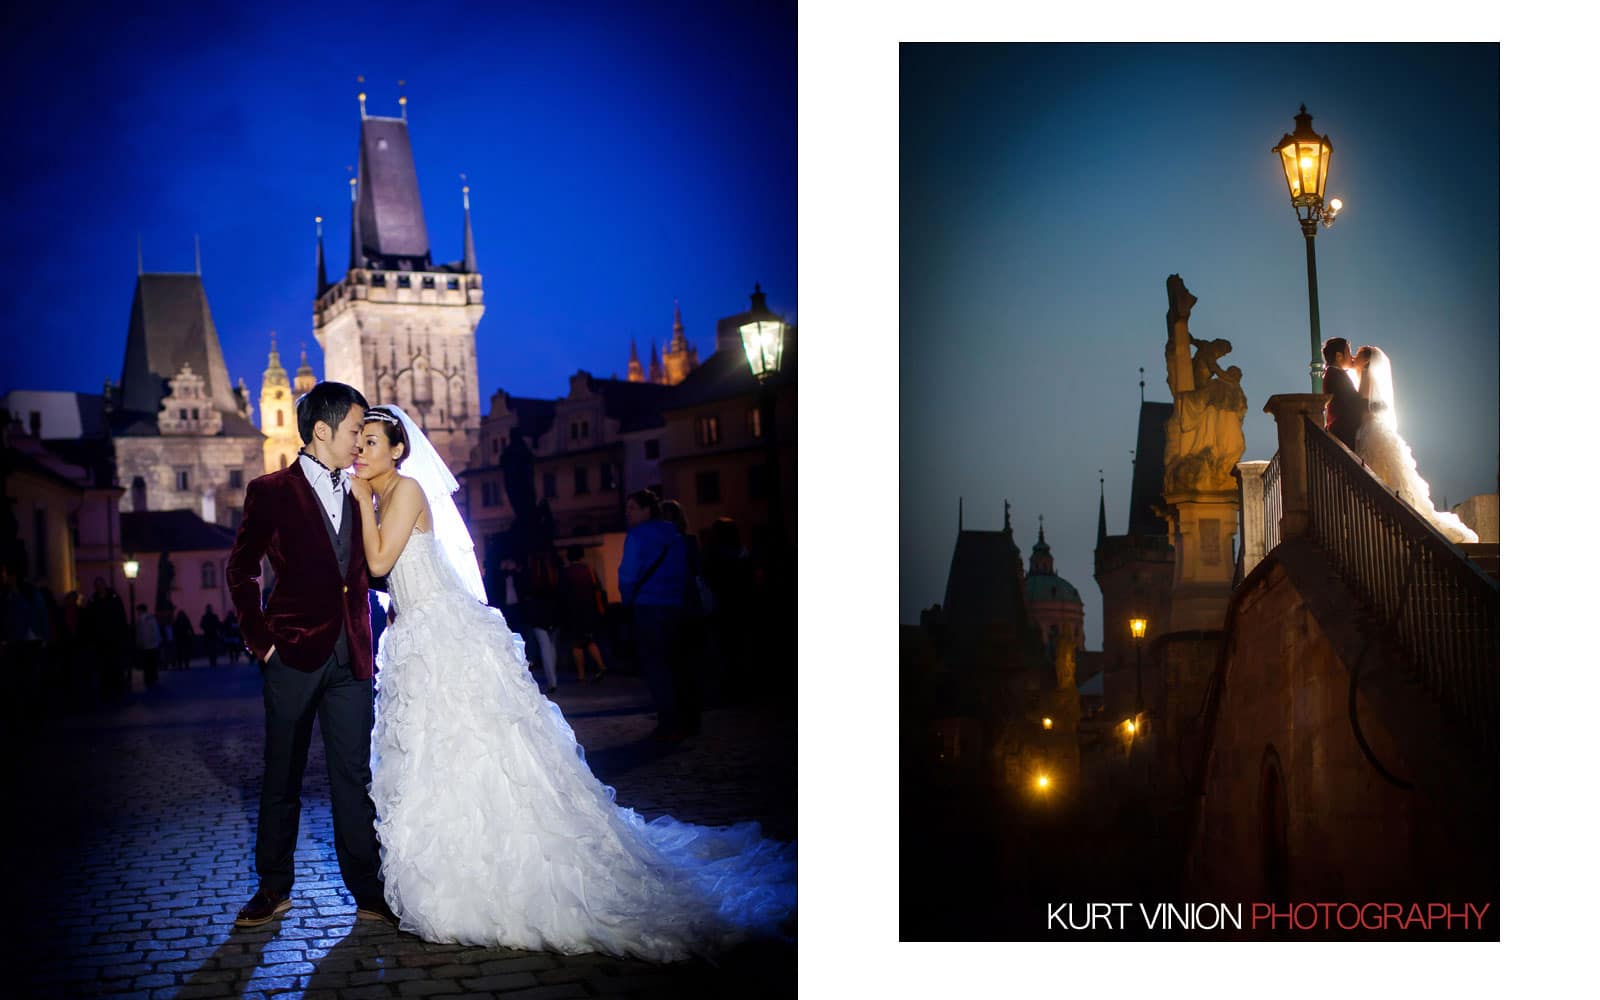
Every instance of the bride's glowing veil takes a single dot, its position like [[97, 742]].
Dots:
[[1377, 384], [423, 464]]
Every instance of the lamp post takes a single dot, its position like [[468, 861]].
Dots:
[[130, 569], [762, 336], [1136, 627], [1305, 155]]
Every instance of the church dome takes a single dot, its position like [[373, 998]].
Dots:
[[1049, 587]]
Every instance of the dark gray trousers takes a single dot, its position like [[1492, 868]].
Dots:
[[343, 703]]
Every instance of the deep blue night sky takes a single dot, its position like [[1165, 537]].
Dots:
[[1048, 191], [618, 160]]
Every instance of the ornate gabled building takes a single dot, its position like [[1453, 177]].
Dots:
[[398, 326], [182, 436]]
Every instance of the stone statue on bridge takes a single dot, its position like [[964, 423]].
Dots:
[[1205, 434]]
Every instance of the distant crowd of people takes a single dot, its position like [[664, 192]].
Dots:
[[86, 648], [683, 618]]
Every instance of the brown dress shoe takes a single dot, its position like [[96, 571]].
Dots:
[[263, 907], [377, 910]]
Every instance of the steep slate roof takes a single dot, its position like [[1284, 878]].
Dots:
[[1148, 468], [390, 204], [171, 326], [172, 531], [985, 583]]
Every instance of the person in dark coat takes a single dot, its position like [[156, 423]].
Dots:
[[211, 632], [1346, 408]]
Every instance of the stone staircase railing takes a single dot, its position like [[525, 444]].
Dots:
[[1438, 607]]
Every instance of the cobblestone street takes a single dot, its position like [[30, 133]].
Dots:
[[132, 828]]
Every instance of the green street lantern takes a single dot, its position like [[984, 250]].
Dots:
[[762, 336], [1304, 156]]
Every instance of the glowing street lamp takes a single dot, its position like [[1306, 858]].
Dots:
[[1136, 628], [1305, 156], [130, 569], [1049, 723], [762, 337], [1042, 782]]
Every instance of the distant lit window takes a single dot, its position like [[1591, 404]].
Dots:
[[752, 421], [707, 431]]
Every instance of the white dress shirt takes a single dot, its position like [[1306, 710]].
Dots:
[[326, 489]]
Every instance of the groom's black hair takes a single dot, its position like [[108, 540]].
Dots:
[[328, 402], [1332, 346]]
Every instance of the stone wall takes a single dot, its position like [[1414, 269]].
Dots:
[[1348, 833], [208, 461]]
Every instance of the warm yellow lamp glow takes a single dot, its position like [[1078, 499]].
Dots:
[[1305, 156], [1043, 781], [1136, 627], [1129, 726], [130, 569], [1049, 723]]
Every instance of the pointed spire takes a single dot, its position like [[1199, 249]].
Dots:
[[197, 255], [304, 378], [1101, 537], [677, 327], [402, 100], [1041, 529], [656, 375], [138, 242], [322, 267], [1008, 517], [362, 97], [1141, 385], [275, 375], [355, 228], [635, 369], [469, 257]]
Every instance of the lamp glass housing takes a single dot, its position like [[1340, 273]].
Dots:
[[763, 346]]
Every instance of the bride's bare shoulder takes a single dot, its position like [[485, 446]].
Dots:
[[413, 493]]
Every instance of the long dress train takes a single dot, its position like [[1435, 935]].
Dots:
[[1379, 444], [492, 828]]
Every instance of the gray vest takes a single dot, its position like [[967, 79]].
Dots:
[[341, 549]]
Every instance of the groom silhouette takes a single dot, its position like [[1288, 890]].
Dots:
[[313, 641], [1346, 407]]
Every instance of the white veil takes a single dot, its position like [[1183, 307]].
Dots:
[[1377, 385], [422, 463]]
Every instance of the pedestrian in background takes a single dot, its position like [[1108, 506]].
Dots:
[[652, 578], [541, 612], [730, 578], [183, 638], [582, 602], [689, 658], [147, 644], [211, 633]]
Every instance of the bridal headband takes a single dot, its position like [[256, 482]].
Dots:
[[379, 413]]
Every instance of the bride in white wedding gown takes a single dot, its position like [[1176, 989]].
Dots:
[[1379, 444], [492, 828]]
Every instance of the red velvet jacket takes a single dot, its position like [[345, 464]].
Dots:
[[284, 521]]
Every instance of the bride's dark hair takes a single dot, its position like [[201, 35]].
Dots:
[[391, 430]]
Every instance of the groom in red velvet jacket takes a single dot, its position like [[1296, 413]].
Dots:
[[313, 641]]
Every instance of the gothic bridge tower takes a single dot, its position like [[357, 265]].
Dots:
[[398, 326]]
